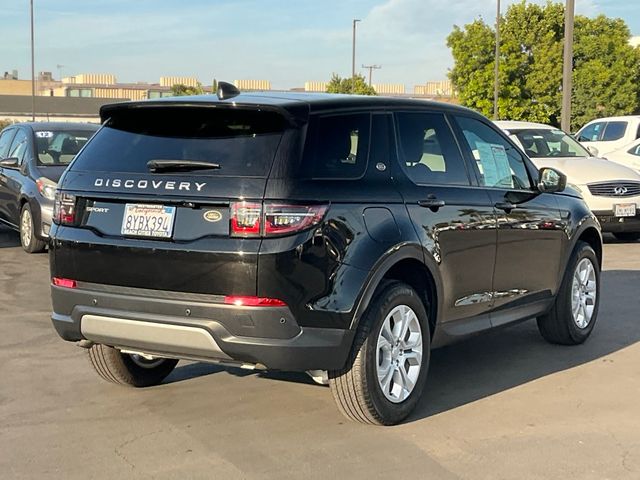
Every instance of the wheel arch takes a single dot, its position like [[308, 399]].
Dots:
[[406, 265], [592, 236]]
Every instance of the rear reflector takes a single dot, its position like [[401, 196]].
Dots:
[[64, 282], [247, 301]]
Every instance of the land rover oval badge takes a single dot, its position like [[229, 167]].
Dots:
[[212, 215]]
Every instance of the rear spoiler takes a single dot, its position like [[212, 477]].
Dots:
[[296, 114]]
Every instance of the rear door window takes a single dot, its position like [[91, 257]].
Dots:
[[429, 152], [614, 131], [337, 147], [242, 142], [57, 148]]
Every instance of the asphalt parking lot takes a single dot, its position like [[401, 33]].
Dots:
[[502, 406]]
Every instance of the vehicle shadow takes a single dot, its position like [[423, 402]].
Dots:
[[196, 369], [8, 238], [488, 364], [496, 361]]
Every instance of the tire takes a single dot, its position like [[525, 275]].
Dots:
[[562, 325], [125, 369], [30, 243], [356, 389], [627, 236]]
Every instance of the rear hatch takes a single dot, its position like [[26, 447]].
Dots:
[[149, 201]]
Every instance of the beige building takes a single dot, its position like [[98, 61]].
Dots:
[[94, 85], [442, 88], [91, 79], [171, 81], [389, 88], [315, 86], [253, 84]]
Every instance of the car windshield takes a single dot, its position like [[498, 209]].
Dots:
[[58, 147], [544, 143]]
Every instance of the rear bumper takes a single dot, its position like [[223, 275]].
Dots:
[[613, 224], [197, 327]]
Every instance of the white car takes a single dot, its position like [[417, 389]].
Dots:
[[629, 155], [611, 190], [609, 134]]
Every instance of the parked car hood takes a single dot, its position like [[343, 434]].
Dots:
[[581, 170]]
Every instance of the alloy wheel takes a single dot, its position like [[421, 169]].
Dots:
[[583, 293], [26, 227], [399, 353]]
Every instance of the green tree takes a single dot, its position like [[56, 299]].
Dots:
[[5, 123], [180, 90], [606, 67], [356, 85]]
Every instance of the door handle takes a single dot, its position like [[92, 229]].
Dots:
[[506, 206], [432, 203]]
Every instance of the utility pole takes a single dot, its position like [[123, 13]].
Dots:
[[371, 68], [496, 79], [567, 66], [353, 57], [33, 70]]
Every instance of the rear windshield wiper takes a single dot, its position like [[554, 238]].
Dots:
[[166, 165]]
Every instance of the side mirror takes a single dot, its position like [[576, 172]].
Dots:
[[593, 150], [10, 163], [551, 180]]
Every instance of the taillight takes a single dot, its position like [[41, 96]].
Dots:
[[281, 219], [46, 188], [249, 301], [64, 209], [64, 282], [253, 220], [245, 219]]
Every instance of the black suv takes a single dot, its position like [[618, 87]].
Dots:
[[339, 235]]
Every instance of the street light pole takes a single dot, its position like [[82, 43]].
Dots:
[[353, 57], [33, 70], [496, 79], [567, 67]]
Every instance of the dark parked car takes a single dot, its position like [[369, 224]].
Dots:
[[343, 236], [32, 158]]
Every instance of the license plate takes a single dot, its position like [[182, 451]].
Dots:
[[625, 210], [155, 221]]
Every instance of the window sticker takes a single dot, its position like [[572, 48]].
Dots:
[[495, 165], [44, 134]]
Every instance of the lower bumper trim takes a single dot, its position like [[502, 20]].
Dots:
[[163, 337]]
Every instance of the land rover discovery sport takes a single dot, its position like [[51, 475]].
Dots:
[[339, 235]]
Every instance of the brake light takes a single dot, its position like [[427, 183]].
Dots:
[[252, 219], [64, 209], [249, 301], [245, 219], [64, 282]]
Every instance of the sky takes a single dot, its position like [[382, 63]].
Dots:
[[286, 42]]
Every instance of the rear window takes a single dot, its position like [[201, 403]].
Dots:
[[614, 131], [59, 147], [242, 142]]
